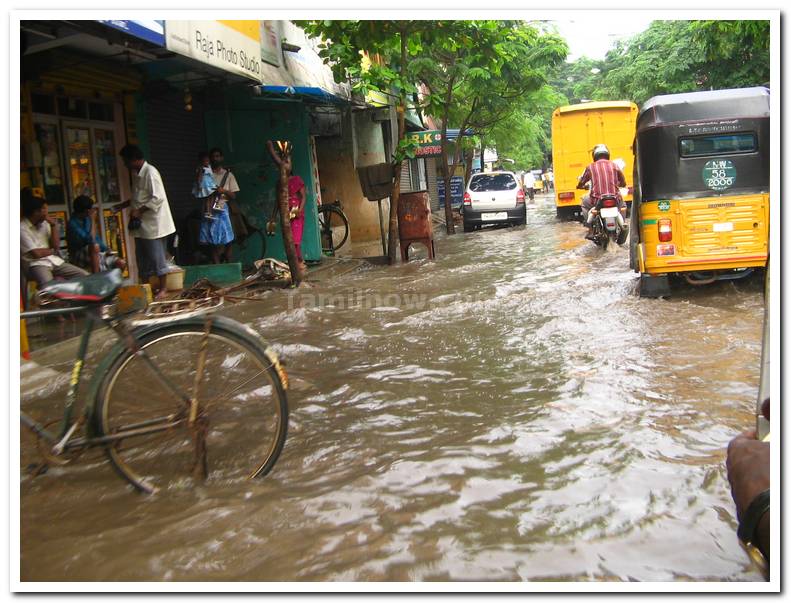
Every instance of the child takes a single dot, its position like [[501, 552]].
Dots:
[[204, 187], [86, 248]]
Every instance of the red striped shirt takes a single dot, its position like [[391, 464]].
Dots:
[[605, 178]]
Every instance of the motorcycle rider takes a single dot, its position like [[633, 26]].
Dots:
[[606, 178]]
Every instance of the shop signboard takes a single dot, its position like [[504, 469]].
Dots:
[[456, 191], [149, 30], [271, 50], [429, 143], [233, 46]]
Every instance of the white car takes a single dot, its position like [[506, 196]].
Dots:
[[493, 198]]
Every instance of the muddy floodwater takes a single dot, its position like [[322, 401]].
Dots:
[[511, 411]]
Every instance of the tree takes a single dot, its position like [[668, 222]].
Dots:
[[671, 57], [477, 73], [526, 135], [390, 44]]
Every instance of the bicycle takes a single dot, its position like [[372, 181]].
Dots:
[[182, 386], [333, 225]]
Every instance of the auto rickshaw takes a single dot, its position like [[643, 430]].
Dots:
[[701, 197]]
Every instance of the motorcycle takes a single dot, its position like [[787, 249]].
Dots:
[[609, 224]]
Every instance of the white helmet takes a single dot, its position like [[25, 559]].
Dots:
[[599, 151]]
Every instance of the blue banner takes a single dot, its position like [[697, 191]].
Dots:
[[456, 191], [150, 31]]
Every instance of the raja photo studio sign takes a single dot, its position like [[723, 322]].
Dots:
[[233, 46]]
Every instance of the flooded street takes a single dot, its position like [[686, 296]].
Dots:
[[512, 411]]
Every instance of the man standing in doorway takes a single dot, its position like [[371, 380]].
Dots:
[[151, 215], [227, 187]]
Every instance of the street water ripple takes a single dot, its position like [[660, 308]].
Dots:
[[510, 411]]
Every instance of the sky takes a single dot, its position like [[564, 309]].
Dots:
[[592, 35]]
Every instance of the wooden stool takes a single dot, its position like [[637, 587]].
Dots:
[[428, 242]]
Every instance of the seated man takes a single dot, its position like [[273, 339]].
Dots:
[[606, 179], [39, 243], [86, 249]]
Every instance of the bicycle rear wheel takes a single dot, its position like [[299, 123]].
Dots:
[[242, 406], [334, 227]]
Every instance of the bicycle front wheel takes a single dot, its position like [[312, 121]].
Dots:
[[334, 227], [156, 438]]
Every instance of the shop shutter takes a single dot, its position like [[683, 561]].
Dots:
[[175, 137], [422, 183], [431, 179], [406, 177]]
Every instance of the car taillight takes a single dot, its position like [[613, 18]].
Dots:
[[520, 196], [467, 199], [609, 203], [665, 228], [565, 196]]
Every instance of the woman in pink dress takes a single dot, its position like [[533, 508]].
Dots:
[[296, 206]]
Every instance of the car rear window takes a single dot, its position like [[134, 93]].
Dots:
[[720, 144], [492, 182]]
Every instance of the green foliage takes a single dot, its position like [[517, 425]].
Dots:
[[488, 76], [345, 42], [671, 57], [525, 136], [406, 149], [504, 78]]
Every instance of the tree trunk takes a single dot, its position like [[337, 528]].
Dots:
[[468, 156], [450, 227], [483, 148], [392, 237], [284, 164]]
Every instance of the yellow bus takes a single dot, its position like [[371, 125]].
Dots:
[[576, 129]]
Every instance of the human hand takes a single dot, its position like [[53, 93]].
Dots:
[[748, 469], [135, 213]]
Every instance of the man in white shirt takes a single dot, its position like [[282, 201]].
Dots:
[[529, 183], [39, 243], [151, 208]]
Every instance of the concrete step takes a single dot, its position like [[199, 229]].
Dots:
[[218, 274]]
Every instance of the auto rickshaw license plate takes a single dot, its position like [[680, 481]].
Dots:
[[723, 227]]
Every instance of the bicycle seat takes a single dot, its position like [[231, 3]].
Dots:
[[93, 288]]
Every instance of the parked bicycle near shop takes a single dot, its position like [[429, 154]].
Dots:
[[183, 392]]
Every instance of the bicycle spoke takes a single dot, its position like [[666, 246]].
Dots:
[[227, 394], [201, 363]]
